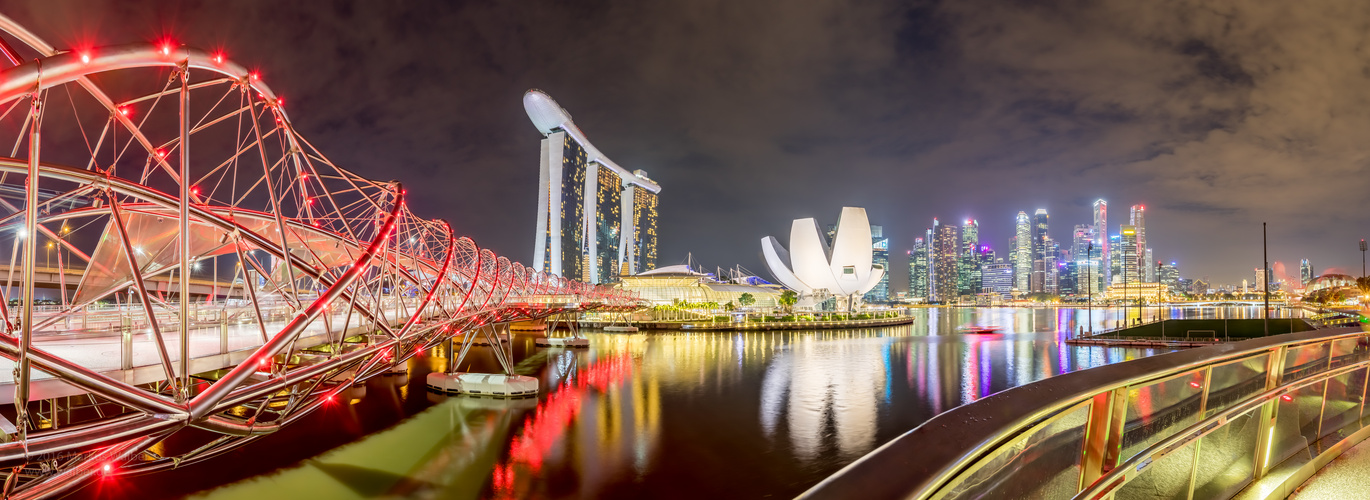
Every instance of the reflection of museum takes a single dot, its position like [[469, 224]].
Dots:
[[806, 386]]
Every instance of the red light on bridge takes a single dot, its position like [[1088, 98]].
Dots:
[[166, 48], [1194, 385], [1287, 397], [85, 57], [195, 190], [125, 111], [255, 75], [161, 153], [218, 58], [107, 468]]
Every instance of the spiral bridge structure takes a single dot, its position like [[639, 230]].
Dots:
[[217, 277]]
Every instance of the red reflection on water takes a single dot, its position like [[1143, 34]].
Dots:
[[546, 428]]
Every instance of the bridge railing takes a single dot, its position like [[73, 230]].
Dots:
[[1211, 422]]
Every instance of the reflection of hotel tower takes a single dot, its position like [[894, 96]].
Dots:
[[596, 221]]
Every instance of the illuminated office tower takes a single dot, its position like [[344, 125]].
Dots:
[[968, 279], [1305, 272], [1149, 272], [1129, 254], [880, 255], [1101, 243], [918, 269], [1040, 235], [595, 220], [1169, 275], [998, 278], [1080, 238], [1022, 253], [944, 262], [1138, 220], [1115, 259]]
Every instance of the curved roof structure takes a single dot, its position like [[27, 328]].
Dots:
[[845, 268], [548, 116]]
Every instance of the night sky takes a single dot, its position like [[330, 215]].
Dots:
[[1215, 115]]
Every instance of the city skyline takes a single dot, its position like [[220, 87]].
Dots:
[[931, 95]]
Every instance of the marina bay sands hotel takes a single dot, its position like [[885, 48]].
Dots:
[[596, 220]]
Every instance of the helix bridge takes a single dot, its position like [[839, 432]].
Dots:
[[217, 277]]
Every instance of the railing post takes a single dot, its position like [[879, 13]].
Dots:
[[1097, 438], [1274, 368]]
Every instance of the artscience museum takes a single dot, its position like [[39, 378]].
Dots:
[[818, 269]]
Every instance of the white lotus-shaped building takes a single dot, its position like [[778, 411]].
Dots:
[[811, 267]]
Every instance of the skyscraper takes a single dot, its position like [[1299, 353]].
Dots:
[[1115, 259], [1022, 252], [638, 247], [968, 279], [594, 220], [1081, 237], [1138, 221], [880, 255], [1101, 243], [1305, 272], [1040, 234], [944, 262], [918, 269], [998, 278], [1169, 275], [1150, 272], [1129, 254]]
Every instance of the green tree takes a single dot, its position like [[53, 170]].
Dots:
[[746, 300], [788, 299], [729, 306], [1363, 283]]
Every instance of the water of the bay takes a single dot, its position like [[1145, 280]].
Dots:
[[656, 414]]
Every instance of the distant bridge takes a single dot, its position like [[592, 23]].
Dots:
[[325, 278]]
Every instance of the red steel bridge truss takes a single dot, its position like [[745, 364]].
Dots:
[[305, 279]]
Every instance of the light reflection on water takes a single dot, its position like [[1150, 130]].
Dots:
[[700, 414]]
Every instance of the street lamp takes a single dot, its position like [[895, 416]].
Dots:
[[47, 256], [1362, 257]]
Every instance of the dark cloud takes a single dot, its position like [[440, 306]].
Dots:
[[1217, 115]]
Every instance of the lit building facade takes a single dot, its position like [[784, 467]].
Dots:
[[945, 247], [1022, 252], [998, 278], [1128, 254], [880, 256], [968, 270], [1101, 241], [595, 220], [1305, 272], [1169, 275], [918, 269]]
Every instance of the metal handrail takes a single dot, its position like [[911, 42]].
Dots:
[[1125, 471], [929, 457]]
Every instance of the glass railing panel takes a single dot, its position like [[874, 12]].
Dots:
[[1343, 404], [1044, 463], [1227, 457], [1158, 410], [1350, 350], [1165, 478], [1233, 382], [1296, 422], [1305, 361]]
